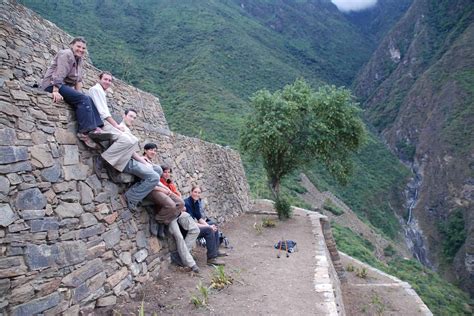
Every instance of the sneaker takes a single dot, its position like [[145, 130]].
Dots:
[[195, 268], [125, 203], [222, 254], [215, 262], [87, 140]]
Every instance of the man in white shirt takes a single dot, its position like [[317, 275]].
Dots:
[[123, 144]]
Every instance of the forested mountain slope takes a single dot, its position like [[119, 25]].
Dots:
[[418, 92]]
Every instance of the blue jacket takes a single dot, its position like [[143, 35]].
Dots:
[[193, 207]]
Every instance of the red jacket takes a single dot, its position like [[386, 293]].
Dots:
[[170, 186]]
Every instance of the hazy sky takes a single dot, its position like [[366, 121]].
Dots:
[[353, 5]]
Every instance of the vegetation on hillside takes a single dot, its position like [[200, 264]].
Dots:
[[441, 297]]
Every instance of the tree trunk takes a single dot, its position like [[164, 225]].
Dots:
[[274, 185]]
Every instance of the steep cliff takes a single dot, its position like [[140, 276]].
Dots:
[[417, 91], [66, 242]]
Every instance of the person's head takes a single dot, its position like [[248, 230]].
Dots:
[[150, 150], [129, 116], [196, 192], [78, 46], [166, 172], [105, 79]]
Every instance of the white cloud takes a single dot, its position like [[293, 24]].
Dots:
[[353, 5]]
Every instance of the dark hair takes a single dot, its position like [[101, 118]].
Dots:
[[166, 167], [78, 39], [194, 187], [150, 146], [130, 110], [104, 73]]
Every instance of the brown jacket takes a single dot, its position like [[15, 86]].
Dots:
[[65, 69]]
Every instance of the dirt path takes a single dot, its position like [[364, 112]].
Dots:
[[263, 284]]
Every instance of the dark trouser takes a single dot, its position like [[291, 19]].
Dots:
[[212, 241], [88, 118]]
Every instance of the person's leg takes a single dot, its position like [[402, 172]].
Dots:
[[119, 153], [183, 251], [149, 179], [189, 225], [208, 234], [84, 108]]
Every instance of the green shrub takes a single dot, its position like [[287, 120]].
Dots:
[[283, 208], [389, 251], [333, 208], [454, 234]]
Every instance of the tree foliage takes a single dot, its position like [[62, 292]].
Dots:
[[296, 125]]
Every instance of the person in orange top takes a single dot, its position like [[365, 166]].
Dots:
[[165, 179]]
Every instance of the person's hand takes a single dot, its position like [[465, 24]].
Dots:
[[121, 128], [57, 96], [214, 228]]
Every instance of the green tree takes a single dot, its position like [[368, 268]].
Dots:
[[292, 127]]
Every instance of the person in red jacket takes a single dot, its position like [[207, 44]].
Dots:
[[165, 179]]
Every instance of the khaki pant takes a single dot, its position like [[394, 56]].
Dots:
[[122, 148]]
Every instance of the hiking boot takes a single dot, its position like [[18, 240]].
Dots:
[[98, 165], [87, 140], [215, 262], [195, 268], [99, 136], [176, 260], [222, 254]]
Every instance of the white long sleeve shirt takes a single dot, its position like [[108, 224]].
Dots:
[[97, 94]]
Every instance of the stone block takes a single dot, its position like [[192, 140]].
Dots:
[[96, 251], [69, 223], [42, 154], [135, 269], [7, 136], [51, 174], [65, 137], [70, 154], [4, 185], [17, 227], [10, 109], [102, 197], [21, 294], [66, 210], [115, 278], [15, 167], [32, 214], [87, 219], [31, 199], [106, 301], [86, 193], [81, 275], [141, 255], [75, 172], [7, 215], [38, 137], [60, 254], [9, 154], [94, 183], [43, 225], [48, 287], [123, 285], [40, 115], [80, 292], [141, 239], [109, 219], [71, 197], [154, 245], [12, 266], [5, 285], [37, 306], [19, 95], [111, 237], [91, 231], [126, 258], [103, 209]]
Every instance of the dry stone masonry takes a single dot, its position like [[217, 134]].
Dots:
[[66, 242]]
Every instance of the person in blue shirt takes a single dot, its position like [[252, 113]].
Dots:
[[207, 231]]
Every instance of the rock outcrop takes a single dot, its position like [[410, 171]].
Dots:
[[66, 242]]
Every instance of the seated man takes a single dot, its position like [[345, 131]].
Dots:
[[206, 230], [170, 211], [123, 144], [137, 166]]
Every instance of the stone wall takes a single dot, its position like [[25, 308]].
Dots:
[[66, 242]]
